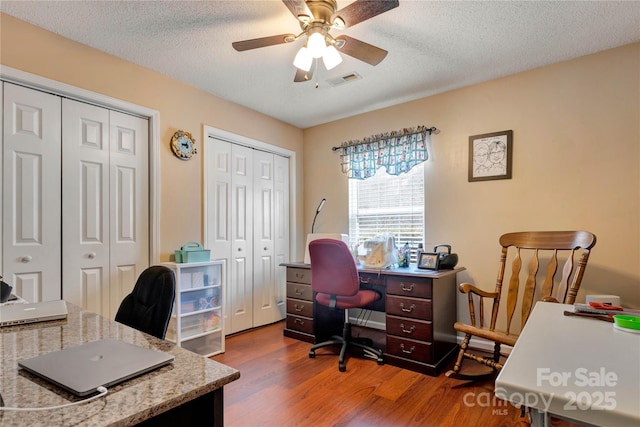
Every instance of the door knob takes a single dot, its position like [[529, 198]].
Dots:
[[25, 259], [91, 255]]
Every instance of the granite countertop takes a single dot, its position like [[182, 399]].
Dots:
[[188, 377]]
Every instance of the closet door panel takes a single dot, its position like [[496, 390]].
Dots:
[[31, 192], [92, 280], [128, 204], [265, 305], [218, 224], [85, 205], [240, 287], [281, 227]]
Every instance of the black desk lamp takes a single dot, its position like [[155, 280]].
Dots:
[[318, 209]]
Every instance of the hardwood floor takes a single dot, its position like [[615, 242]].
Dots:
[[280, 386]]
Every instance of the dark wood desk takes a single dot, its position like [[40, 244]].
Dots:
[[419, 305], [187, 392]]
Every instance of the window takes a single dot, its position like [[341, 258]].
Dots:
[[387, 203]]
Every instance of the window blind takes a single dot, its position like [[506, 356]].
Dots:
[[388, 203]]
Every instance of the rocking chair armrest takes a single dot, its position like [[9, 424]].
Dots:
[[465, 288]]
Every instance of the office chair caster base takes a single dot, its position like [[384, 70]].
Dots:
[[312, 354]]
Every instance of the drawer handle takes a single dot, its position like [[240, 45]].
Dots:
[[300, 321], [299, 275], [407, 310], [407, 331], [413, 348], [298, 291], [365, 281], [298, 307], [409, 289]]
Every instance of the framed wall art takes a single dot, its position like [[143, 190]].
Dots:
[[490, 156]]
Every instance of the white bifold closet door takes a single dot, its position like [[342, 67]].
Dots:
[[75, 200], [270, 236], [248, 228], [105, 205], [31, 193]]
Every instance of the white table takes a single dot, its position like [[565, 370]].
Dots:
[[575, 368]]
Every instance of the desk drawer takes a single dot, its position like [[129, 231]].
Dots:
[[418, 287], [298, 323], [409, 349], [299, 291], [299, 307], [409, 307], [370, 279], [299, 275], [409, 328]]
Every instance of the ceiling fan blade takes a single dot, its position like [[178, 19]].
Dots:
[[261, 42], [361, 10], [298, 8], [365, 52], [302, 75]]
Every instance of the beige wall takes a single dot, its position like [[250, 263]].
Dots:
[[33, 50], [576, 152], [576, 162]]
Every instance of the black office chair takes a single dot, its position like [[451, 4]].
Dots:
[[334, 279], [148, 307]]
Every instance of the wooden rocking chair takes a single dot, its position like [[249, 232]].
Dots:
[[550, 247]]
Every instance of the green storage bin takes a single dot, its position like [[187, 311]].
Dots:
[[192, 252]]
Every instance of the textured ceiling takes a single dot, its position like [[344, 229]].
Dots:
[[434, 46]]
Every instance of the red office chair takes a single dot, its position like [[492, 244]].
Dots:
[[334, 279]]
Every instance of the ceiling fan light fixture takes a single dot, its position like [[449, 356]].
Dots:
[[303, 59], [331, 57], [316, 44]]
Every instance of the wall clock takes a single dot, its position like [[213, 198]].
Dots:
[[183, 145]]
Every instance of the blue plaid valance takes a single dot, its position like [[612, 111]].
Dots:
[[396, 151]]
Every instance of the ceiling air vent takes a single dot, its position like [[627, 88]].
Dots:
[[347, 78]]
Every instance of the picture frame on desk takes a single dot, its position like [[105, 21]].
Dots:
[[429, 260]]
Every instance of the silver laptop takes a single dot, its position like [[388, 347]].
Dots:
[[84, 368], [19, 314]]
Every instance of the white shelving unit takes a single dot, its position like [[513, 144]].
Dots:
[[197, 319]]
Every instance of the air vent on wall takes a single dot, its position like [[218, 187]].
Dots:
[[347, 78]]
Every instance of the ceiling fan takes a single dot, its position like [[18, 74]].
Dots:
[[317, 18]]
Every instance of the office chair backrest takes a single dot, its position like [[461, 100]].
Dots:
[[333, 268], [148, 307]]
